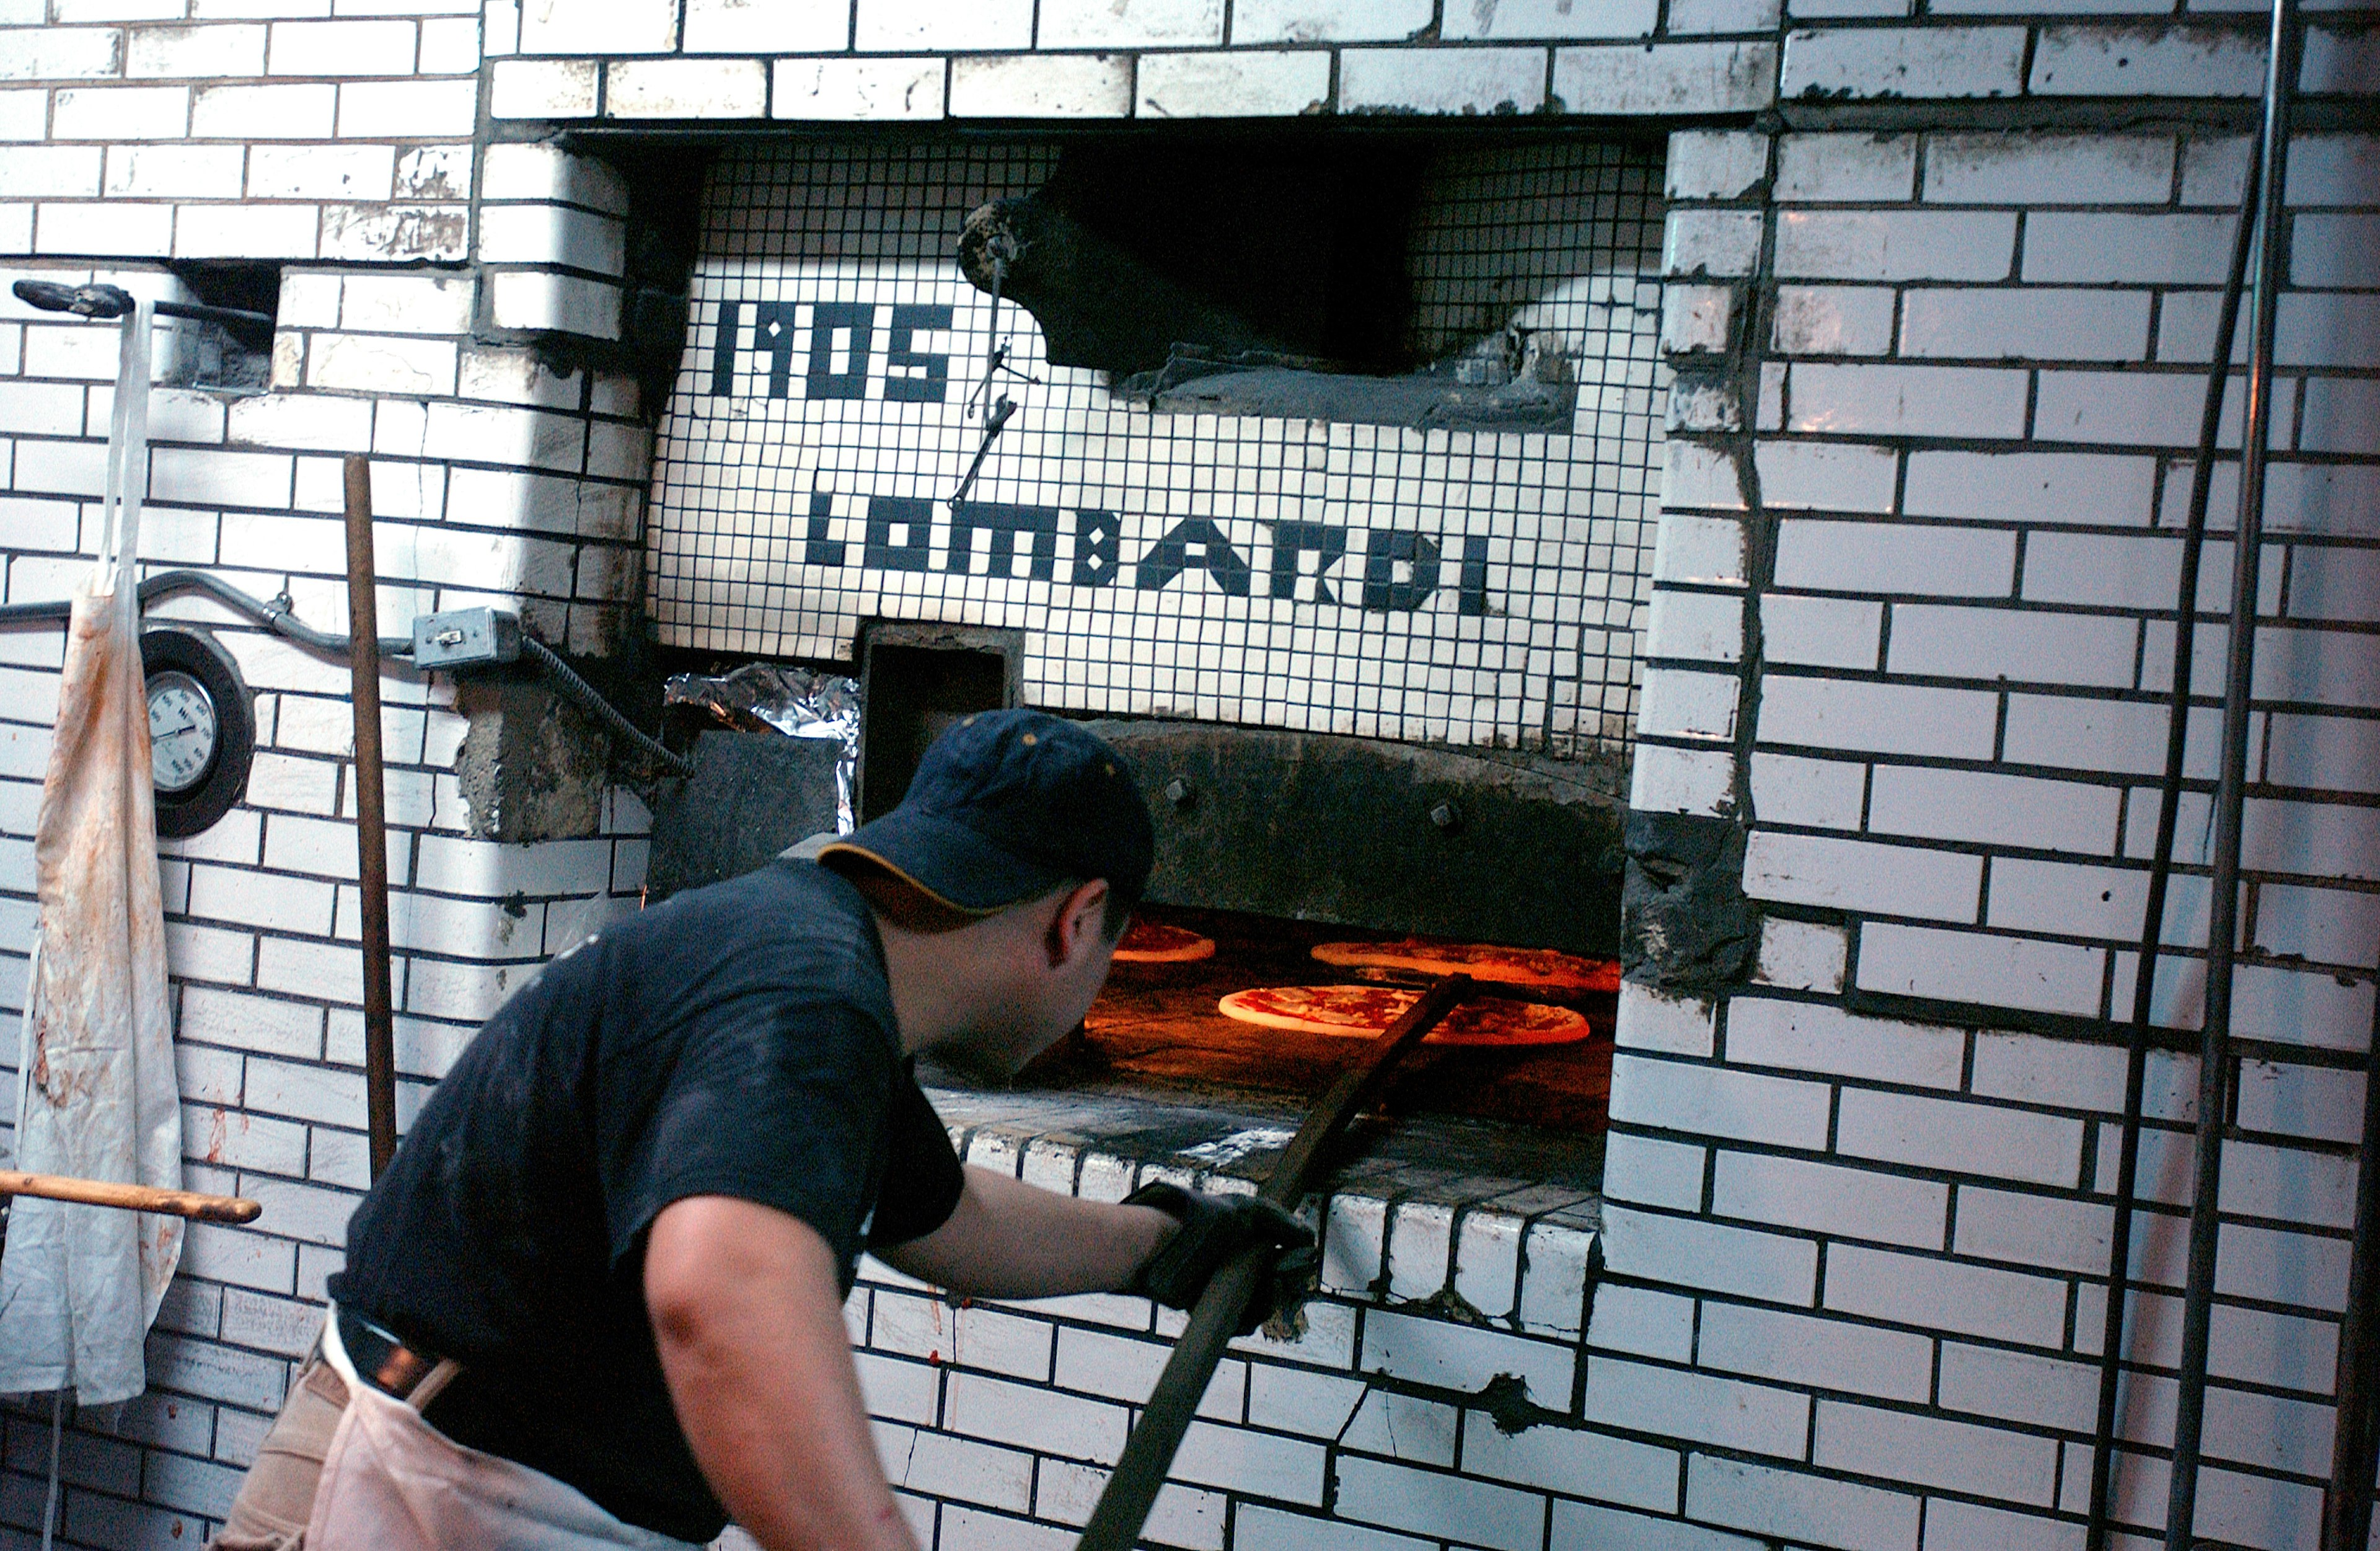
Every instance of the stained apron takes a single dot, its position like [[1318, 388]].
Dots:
[[80, 1284], [391, 1482]]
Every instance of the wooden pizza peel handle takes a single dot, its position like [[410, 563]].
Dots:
[[131, 1198], [1123, 1506]]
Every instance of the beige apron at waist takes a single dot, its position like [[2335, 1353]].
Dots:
[[393, 1483]]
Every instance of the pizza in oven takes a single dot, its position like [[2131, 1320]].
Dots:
[[1153, 942], [1365, 1011], [1560, 974]]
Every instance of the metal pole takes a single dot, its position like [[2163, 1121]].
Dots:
[[2347, 1510], [372, 820], [1124, 1502], [2185, 635], [2231, 792]]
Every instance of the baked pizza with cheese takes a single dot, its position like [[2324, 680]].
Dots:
[[1558, 974], [1153, 942], [1365, 1011]]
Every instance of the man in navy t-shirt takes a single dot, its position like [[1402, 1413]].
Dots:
[[596, 1299]]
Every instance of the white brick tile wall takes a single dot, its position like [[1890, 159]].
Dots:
[[1801, 1505], [1972, 967], [1861, 875], [2094, 61], [1823, 1354], [1821, 793], [724, 26], [1931, 62], [1947, 1296], [1730, 76], [1933, 1451], [1027, 86], [1403, 1427], [2039, 323], [1442, 1506], [1693, 1253], [1862, 169], [858, 88], [1716, 1102], [1834, 476], [1815, 1037], [1874, 557], [1636, 1474], [1840, 1202]]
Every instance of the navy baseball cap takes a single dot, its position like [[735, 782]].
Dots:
[[1006, 806]]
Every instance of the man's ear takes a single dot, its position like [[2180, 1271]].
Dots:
[[1079, 926]]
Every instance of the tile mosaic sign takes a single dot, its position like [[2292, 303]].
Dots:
[[824, 462]]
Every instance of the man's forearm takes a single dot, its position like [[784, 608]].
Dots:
[[1010, 1239], [748, 1320]]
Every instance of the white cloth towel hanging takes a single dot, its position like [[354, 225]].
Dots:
[[80, 1284]]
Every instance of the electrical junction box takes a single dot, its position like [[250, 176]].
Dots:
[[466, 638]]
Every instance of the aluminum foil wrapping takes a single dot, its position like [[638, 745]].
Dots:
[[771, 697]]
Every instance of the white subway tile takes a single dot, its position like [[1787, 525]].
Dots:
[[1971, 967], [1135, 24], [407, 109], [1890, 558], [1959, 1138], [1688, 1252], [1820, 1510], [1636, 1474], [1450, 1356], [1588, 1527], [542, 89], [1992, 808], [1673, 780], [1653, 1172], [1879, 718], [1820, 632], [1649, 1019], [1894, 245], [1862, 876], [1713, 1100], [1715, 163], [1713, 243], [340, 48], [60, 53], [725, 27], [1678, 78], [1947, 1296], [111, 231], [1646, 1323], [1676, 703], [920, 26], [1033, 86], [197, 52], [1257, 1527], [1822, 1353], [120, 113], [321, 172], [1854, 168], [1905, 62], [1314, 21], [1822, 794], [1826, 475], [2032, 323], [2060, 169], [1442, 80], [280, 112], [2029, 488], [1936, 1451], [685, 89], [1833, 320], [2119, 61], [598, 26], [1840, 1202], [1403, 1427], [1488, 1262], [860, 89], [1816, 1037], [1239, 84], [1442, 1506]]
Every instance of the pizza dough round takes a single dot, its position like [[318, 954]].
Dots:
[[1539, 968], [1154, 942], [1364, 1012]]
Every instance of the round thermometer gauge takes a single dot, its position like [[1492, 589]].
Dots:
[[182, 731], [201, 728]]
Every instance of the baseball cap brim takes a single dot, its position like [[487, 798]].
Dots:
[[946, 860]]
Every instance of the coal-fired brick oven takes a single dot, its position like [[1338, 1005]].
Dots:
[[1318, 470]]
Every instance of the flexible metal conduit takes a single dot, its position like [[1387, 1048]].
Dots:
[[2231, 791], [276, 616]]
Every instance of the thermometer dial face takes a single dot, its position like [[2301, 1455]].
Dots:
[[182, 731]]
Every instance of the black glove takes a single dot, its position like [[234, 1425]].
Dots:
[[1214, 1228]]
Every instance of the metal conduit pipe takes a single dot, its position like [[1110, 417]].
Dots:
[[2231, 792], [275, 615], [2185, 631], [2347, 1510]]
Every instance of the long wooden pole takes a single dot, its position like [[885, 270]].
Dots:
[[371, 819], [1149, 1454], [131, 1198]]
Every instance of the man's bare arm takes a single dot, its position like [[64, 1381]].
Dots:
[[749, 1316], [1010, 1239]]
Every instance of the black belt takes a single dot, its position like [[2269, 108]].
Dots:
[[382, 1360]]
